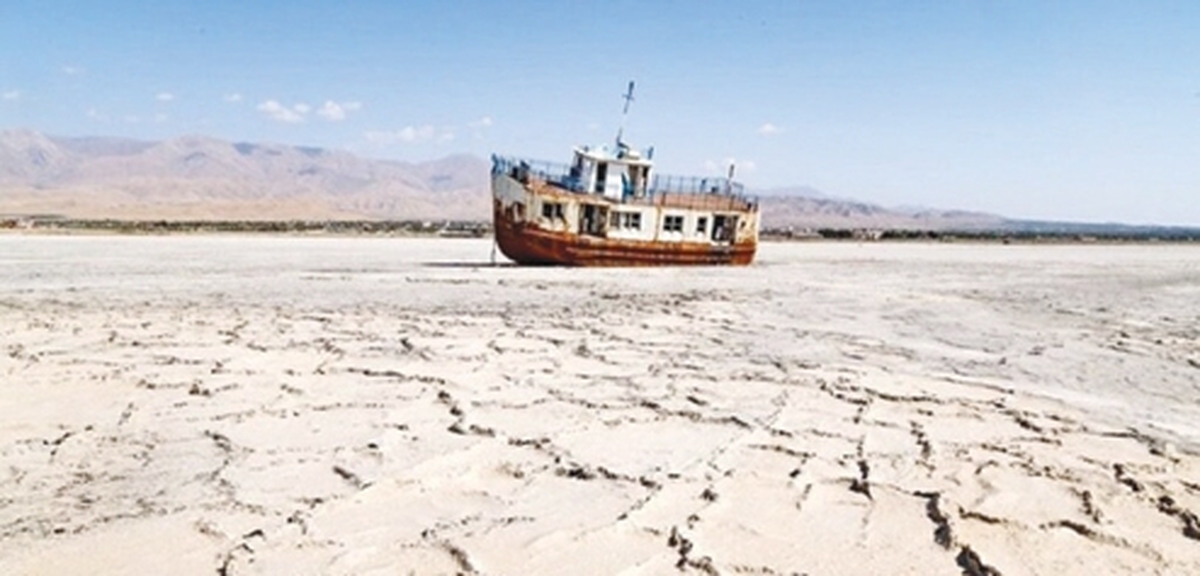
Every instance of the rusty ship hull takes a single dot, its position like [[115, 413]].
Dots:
[[538, 221], [528, 244]]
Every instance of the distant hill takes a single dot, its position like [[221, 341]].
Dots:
[[820, 211], [194, 177], [200, 178]]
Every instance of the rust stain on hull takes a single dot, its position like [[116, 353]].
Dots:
[[525, 243]]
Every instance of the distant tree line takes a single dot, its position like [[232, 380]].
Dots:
[[383, 227], [1001, 236], [480, 229]]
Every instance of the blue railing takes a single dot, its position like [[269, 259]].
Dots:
[[562, 175], [525, 170], [694, 185]]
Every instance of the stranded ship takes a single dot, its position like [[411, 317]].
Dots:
[[609, 207]]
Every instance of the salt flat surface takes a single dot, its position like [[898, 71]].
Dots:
[[288, 405]]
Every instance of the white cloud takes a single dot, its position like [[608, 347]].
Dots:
[[769, 129], [72, 70], [160, 118], [97, 115], [234, 97], [298, 112], [11, 95], [410, 135], [334, 111], [276, 111], [164, 97]]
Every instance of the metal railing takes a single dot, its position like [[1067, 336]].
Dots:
[[561, 175], [666, 183], [524, 170]]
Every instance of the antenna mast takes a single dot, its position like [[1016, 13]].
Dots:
[[628, 96]]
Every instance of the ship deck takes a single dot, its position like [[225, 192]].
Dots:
[[714, 202]]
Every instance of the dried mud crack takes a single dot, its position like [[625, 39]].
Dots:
[[236, 405]]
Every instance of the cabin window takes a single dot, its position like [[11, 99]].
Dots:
[[723, 227], [593, 220], [627, 220], [552, 210], [701, 225], [672, 223]]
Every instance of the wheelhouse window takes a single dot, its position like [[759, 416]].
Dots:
[[552, 210], [639, 176], [672, 223], [601, 177], [702, 225]]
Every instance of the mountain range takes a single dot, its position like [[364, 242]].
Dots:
[[201, 178]]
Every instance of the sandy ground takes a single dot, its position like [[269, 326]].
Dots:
[[271, 405]]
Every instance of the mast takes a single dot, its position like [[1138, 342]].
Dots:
[[628, 96]]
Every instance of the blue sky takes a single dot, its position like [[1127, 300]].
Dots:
[[1086, 110]]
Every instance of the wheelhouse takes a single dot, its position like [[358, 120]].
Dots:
[[618, 175]]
